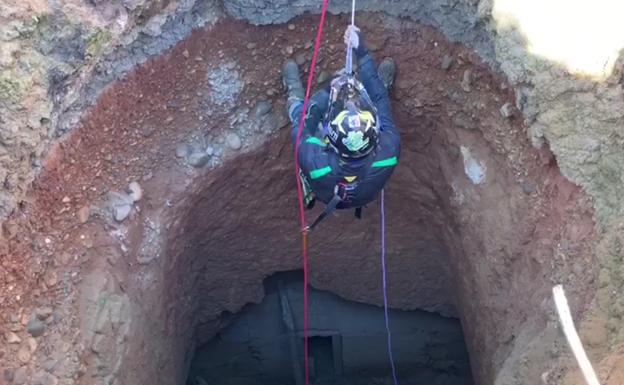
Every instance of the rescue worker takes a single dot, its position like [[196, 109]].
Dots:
[[350, 145]]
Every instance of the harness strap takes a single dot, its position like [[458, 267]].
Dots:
[[330, 208]]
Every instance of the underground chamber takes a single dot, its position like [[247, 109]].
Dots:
[[263, 343]]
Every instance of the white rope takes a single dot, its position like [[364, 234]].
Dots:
[[573, 338], [349, 64]]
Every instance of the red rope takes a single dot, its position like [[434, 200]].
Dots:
[[304, 239]]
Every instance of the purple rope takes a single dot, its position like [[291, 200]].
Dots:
[[385, 289]]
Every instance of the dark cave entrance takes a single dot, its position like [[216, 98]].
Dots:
[[263, 343]]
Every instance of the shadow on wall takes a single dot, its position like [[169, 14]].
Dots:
[[264, 342], [566, 61]]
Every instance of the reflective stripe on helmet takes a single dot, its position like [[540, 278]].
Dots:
[[364, 116]]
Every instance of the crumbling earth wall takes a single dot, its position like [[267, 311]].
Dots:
[[55, 58]]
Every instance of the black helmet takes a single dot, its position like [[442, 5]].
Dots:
[[353, 127]]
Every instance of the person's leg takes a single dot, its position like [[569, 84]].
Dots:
[[292, 83], [320, 100], [317, 106], [294, 88], [294, 113]]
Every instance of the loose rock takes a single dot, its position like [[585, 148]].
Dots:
[[198, 159], [35, 327], [20, 376], [447, 61], [291, 27], [50, 278], [8, 374], [121, 211], [83, 214], [270, 123], [507, 110], [182, 150], [12, 338], [64, 258], [147, 131], [527, 188], [44, 378], [233, 141], [135, 191], [23, 354], [49, 365], [467, 81], [262, 108], [121, 205]]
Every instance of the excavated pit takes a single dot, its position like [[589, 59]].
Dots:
[[473, 211]]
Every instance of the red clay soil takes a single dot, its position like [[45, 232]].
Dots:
[[488, 252]]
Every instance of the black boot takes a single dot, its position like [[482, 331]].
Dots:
[[292, 82], [387, 72]]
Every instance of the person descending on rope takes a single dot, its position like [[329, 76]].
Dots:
[[350, 144]]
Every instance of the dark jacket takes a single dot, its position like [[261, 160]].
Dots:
[[364, 178]]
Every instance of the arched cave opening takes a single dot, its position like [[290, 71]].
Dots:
[[263, 343]]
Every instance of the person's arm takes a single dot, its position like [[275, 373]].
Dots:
[[317, 107], [371, 81], [373, 84]]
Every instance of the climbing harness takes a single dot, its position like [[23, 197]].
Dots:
[[344, 192], [329, 208], [340, 193]]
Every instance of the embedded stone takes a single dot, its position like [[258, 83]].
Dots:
[[35, 327], [233, 141]]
